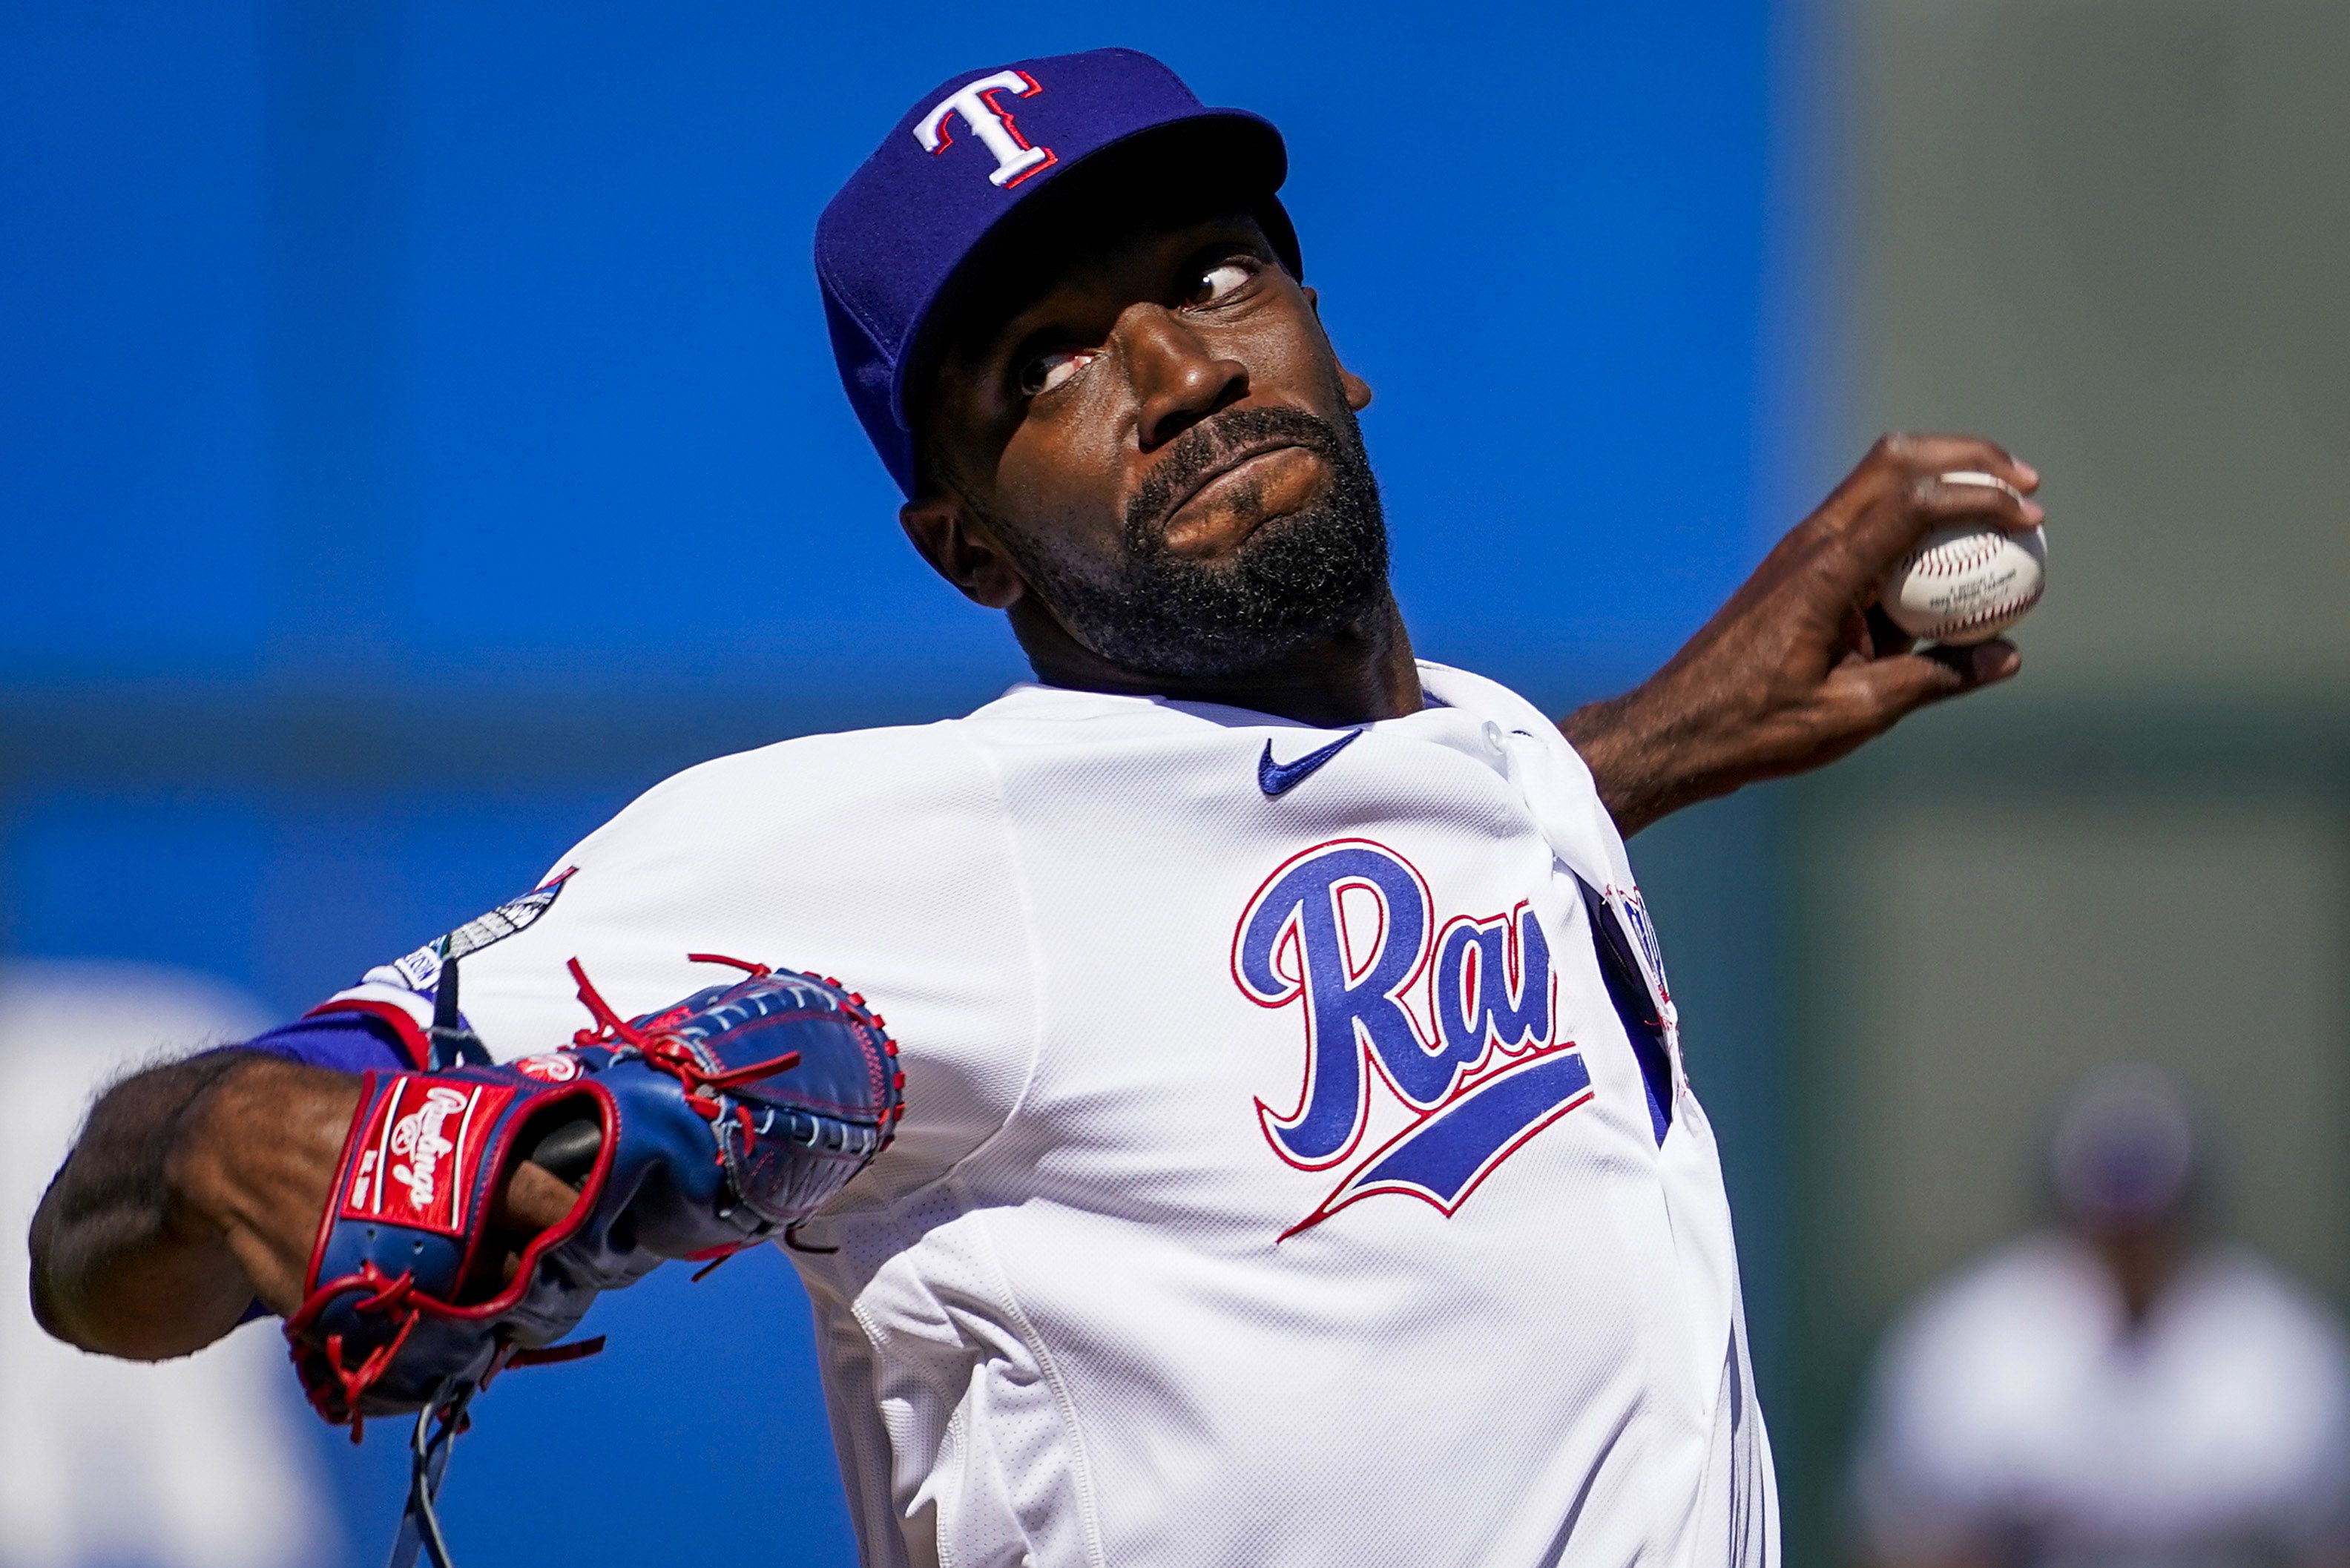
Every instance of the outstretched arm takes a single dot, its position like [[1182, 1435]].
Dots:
[[183, 1200], [1797, 668], [196, 1189]]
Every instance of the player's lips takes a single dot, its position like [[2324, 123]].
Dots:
[[1278, 476]]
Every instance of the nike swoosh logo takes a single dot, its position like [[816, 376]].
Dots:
[[1280, 778]]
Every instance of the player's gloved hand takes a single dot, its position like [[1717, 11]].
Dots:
[[691, 1133]]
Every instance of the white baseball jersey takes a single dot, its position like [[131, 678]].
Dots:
[[1280, 1182], [2011, 1407]]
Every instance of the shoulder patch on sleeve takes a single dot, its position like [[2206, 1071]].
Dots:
[[421, 971]]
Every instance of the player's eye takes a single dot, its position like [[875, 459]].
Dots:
[[1213, 283], [1044, 371]]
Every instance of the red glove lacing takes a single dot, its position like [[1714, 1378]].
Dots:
[[667, 1053]]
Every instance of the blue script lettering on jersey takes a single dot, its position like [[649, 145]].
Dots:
[[1344, 931]]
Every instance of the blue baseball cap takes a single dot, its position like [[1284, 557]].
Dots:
[[962, 160]]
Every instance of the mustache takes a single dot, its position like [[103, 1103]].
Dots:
[[1206, 444]]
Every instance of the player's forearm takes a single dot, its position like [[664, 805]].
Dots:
[[195, 1188], [1646, 764]]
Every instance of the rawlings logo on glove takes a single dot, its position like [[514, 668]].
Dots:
[[695, 1132], [404, 1193]]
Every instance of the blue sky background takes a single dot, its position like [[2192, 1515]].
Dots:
[[378, 374]]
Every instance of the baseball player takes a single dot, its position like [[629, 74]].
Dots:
[[1258, 1131], [2126, 1386]]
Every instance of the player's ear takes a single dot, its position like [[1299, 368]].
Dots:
[[961, 549], [1358, 391]]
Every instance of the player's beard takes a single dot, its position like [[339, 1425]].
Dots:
[[1296, 578]]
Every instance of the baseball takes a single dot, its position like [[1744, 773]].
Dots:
[[1967, 583]]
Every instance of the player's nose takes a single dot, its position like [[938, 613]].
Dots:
[[1178, 379]]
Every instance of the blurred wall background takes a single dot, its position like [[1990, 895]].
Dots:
[[2118, 235]]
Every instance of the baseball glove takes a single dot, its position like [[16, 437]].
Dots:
[[695, 1132]]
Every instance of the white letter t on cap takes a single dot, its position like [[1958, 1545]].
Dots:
[[991, 122]]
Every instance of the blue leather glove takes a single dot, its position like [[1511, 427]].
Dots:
[[695, 1132]]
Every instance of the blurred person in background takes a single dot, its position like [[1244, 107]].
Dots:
[[2126, 1390]]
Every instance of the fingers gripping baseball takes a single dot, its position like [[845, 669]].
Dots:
[[1907, 489], [1868, 696], [1802, 664], [1903, 470]]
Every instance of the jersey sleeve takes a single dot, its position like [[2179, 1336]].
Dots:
[[347, 1041], [879, 859]]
